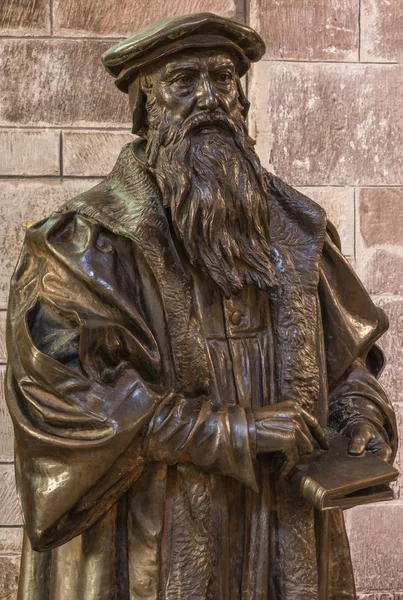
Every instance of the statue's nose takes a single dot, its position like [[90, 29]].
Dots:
[[206, 96]]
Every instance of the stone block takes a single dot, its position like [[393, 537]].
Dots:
[[308, 29], [19, 17], [339, 206], [6, 426], [24, 201], [58, 82], [381, 596], [240, 11], [29, 152], [380, 239], [398, 485], [9, 572], [103, 18], [10, 541], [329, 124], [381, 271], [381, 216], [381, 30], [3, 351], [92, 153], [10, 513], [376, 540], [392, 345]]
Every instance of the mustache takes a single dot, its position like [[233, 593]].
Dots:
[[202, 118], [182, 129]]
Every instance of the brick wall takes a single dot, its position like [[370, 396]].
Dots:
[[327, 113]]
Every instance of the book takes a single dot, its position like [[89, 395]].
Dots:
[[334, 478]]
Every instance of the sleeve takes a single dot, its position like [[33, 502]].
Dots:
[[86, 384], [210, 436], [352, 324], [360, 398]]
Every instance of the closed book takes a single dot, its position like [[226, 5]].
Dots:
[[334, 478]]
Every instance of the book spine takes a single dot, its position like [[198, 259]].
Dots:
[[309, 490]]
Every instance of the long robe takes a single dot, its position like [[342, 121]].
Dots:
[[131, 384]]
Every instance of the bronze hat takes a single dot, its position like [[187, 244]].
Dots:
[[174, 34]]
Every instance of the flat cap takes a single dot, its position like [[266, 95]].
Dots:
[[178, 33]]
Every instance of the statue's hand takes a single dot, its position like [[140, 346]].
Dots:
[[288, 429], [366, 437]]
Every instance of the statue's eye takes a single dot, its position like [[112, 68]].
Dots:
[[185, 80], [225, 77]]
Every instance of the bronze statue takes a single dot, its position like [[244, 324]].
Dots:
[[179, 336]]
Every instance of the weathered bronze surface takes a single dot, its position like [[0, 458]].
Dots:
[[178, 337]]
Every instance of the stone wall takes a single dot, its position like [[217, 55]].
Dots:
[[327, 113]]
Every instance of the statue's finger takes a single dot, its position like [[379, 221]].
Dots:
[[291, 458], [357, 445], [384, 452], [381, 449], [316, 429], [304, 440]]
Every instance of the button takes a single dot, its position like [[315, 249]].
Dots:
[[236, 318]]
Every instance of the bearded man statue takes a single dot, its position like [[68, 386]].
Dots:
[[179, 336]]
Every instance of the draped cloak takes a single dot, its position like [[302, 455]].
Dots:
[[131, 384]]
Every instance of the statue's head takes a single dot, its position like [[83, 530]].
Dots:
[[183, 76], [151, 53]]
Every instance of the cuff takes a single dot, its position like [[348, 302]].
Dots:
[[348, 411], [243, 442], [252, 432]]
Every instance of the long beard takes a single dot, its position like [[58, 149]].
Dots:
[[212, 182]]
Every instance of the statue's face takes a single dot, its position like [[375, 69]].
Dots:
[[187, 83]]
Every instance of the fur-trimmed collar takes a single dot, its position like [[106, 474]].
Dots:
[[128, 202]]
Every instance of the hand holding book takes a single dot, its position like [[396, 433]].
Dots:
[[365, 436], [330, 470], [339, 479], [288, 430]]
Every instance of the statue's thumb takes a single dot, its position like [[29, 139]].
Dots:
[[357, 445]]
